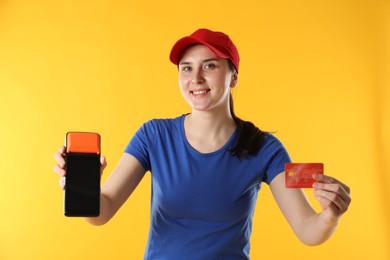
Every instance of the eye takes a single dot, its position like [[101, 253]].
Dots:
[[186, 68], [209, 66]]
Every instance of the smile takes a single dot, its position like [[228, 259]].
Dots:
[[199, 92]]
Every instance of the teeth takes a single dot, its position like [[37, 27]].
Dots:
[[199, 92]]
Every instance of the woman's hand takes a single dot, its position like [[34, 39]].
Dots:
[[60, 167], [334, 197]]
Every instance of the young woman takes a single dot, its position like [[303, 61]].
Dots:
[[208, 166]]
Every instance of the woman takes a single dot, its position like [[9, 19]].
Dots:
[[207, 167]]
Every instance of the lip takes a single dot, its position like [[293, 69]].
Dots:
[[199, 92]]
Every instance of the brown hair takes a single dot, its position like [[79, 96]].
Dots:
[[249, 137]]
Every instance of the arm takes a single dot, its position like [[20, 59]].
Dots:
[[117, 189], [312, 228]]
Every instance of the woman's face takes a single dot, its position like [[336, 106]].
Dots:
[[205, 79]]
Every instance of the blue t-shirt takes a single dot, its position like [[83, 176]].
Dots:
[[202, 204]]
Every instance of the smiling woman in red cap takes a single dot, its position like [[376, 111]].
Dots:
[[207, 167]]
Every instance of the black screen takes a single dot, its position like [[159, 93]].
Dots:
[[82, 186]]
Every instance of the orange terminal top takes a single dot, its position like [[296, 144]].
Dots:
[[82, 142]]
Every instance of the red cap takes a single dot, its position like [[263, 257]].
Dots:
[[217, 42]]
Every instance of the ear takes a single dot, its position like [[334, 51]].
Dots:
[[234, 80]]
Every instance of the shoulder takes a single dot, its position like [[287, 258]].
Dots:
[[273, 148], [271, 142], [161, 128], [152, 135], [163, 124], [273, 157]]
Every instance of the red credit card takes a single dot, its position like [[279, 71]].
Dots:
[[300, 175]]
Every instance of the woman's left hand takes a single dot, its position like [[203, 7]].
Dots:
[[334, 197]]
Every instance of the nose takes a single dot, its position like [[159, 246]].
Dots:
[[197, 77]]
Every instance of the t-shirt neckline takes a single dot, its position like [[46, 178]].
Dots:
[[226, 147]]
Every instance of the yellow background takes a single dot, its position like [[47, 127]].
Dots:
[[317, 72]]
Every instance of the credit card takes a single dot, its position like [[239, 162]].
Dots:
[[300, 175]]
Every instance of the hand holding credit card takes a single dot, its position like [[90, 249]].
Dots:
[[300, 175]]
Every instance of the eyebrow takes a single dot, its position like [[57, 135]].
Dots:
[[203, 61]]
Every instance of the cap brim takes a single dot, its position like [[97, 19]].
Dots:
[[186, 42]]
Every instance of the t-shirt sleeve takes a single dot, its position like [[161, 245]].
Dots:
[[140, 144], [275, 156]]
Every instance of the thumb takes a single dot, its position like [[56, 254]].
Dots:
[[103, 164]]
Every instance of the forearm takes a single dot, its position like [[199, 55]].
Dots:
[[309, 226], [314, 230], [118, 188], [105, 215]]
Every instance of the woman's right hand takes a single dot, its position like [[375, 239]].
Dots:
[[60, 167]]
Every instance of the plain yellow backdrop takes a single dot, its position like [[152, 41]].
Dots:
[[316, 72]]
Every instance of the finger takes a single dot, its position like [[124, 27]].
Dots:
[[59, 157], [327, 204], [333, 187], [61, 181], [330, 213], [328, 179], [324, 178], [336, 188], [103, 162], [58, 169], [61, 150], [329, 199]]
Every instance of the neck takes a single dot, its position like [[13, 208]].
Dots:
[[207, 133], [209, 125]]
